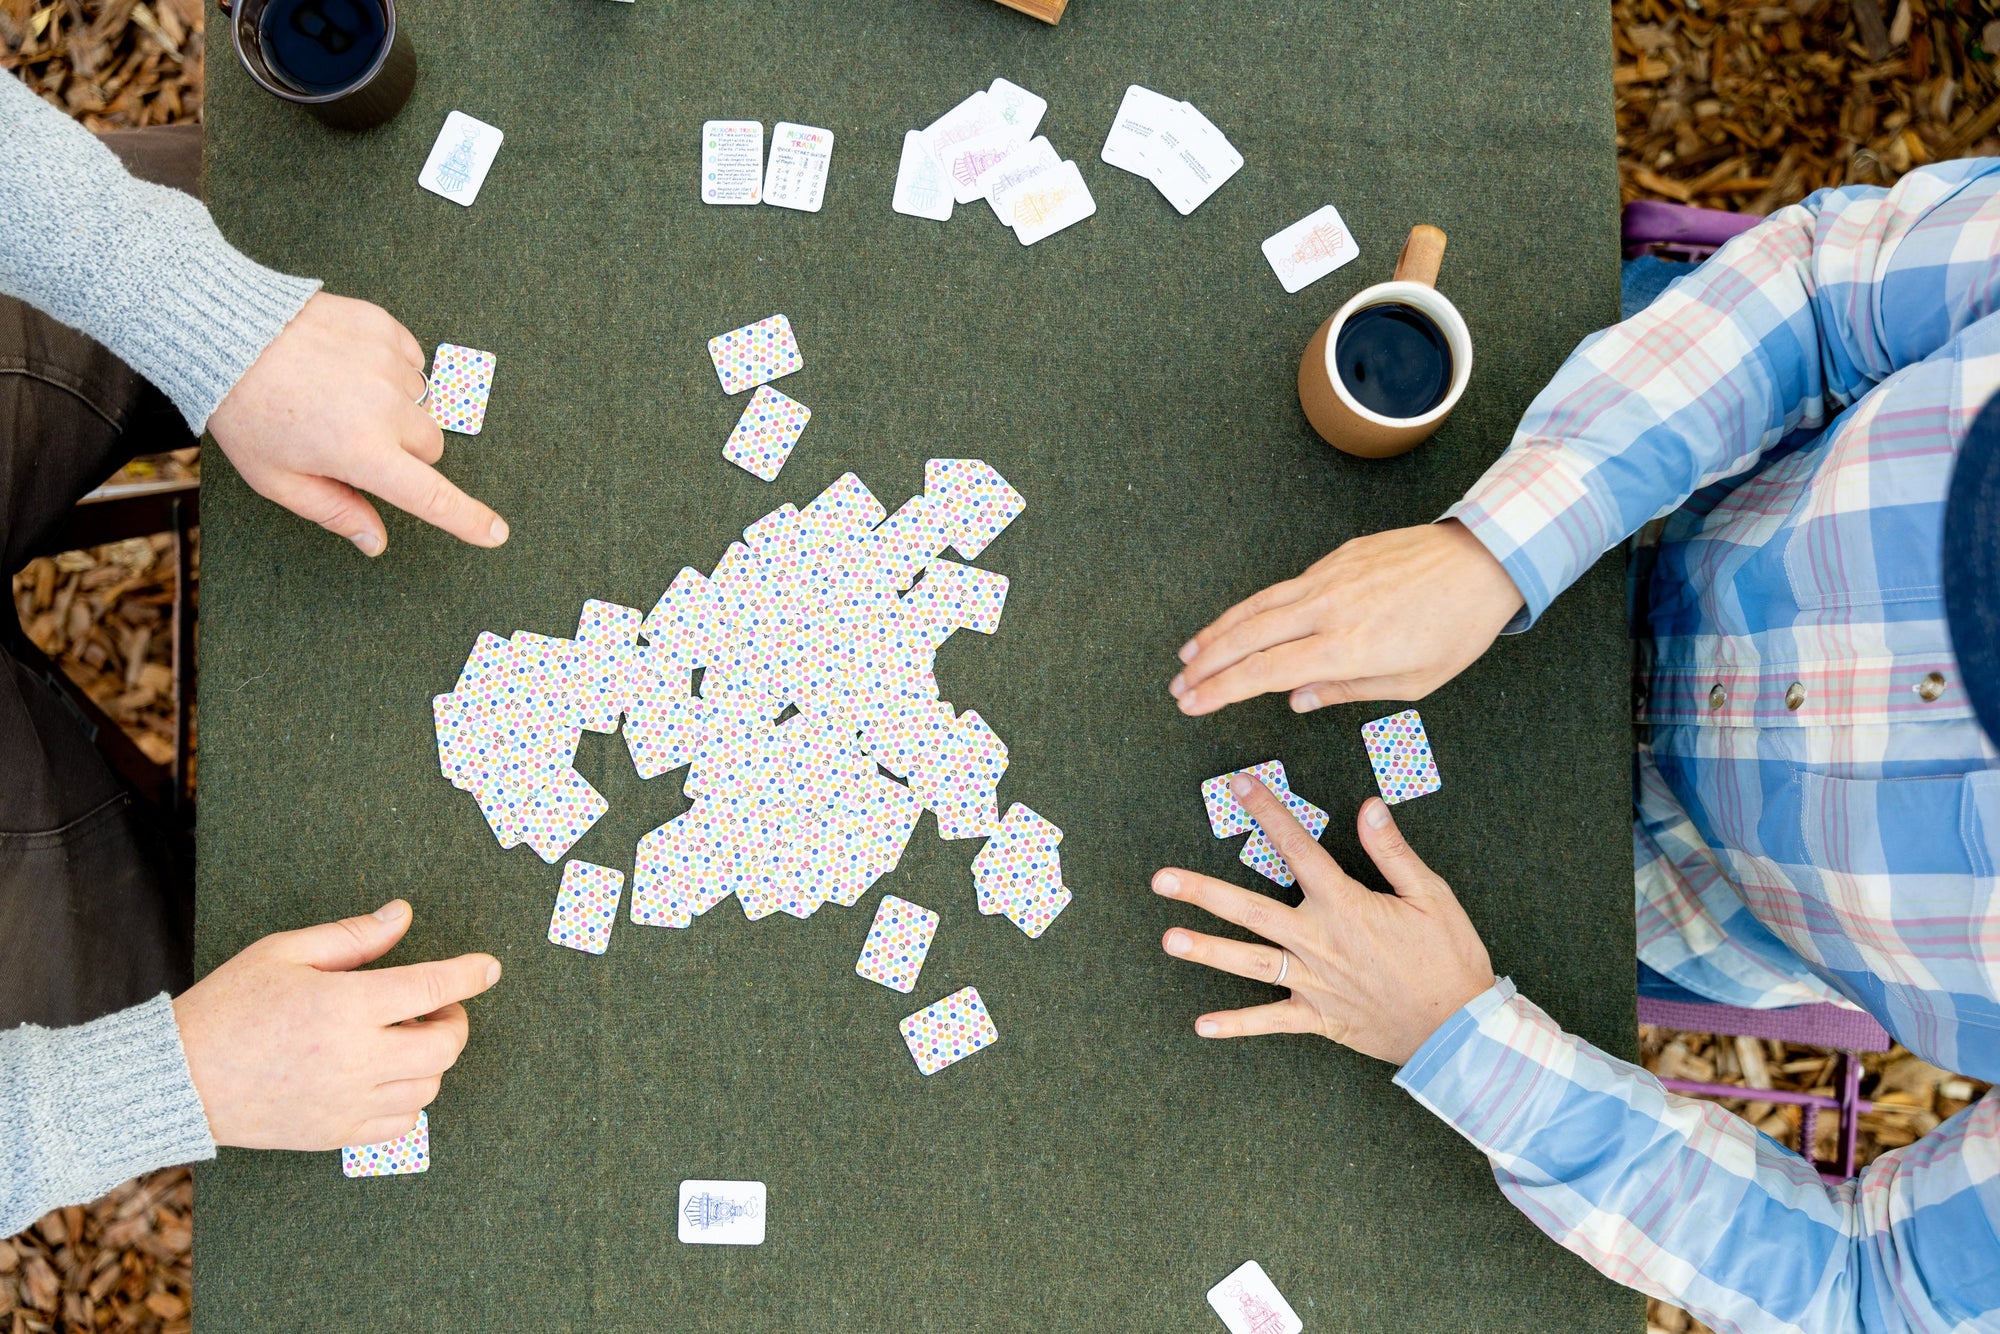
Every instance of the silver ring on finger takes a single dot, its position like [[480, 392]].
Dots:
[[1284, 967]]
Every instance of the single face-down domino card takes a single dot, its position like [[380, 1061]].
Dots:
[[1249, 1303], [949, 1031], [755, 354], [586, 907], [795, 176], [398, 1157], [460, 383], [1310, 248], [460, 158], [921, 189], [766, 433], [1226, 816], [897, 943], [722, 1213], [978, 499], [1400, 752], [732, 162]]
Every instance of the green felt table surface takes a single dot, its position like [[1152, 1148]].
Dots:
[[1101, 1167]]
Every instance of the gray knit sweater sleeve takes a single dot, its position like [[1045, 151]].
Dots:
[[83, 1108], [139, 267]]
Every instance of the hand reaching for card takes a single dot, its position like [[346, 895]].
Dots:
[[1375, 972], [1390, 616], [292, 1049], [331, 409]]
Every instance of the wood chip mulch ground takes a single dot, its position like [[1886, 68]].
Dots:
[[1741, 106]]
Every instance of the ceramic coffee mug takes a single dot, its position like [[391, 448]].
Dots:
[[1344, 422], [365, 63]]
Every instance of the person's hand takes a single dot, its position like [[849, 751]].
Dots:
[[1390, 616], [1375, 972], [291, 1049], [332, 405]]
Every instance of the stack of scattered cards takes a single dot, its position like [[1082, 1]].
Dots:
[[1172, 145], [752, 357], [734, 170], [816, 637], [986, 148], [1227, 818]]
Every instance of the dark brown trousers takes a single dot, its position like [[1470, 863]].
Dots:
[[96, 886]]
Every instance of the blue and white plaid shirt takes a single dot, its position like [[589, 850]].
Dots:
[[1817, 813]]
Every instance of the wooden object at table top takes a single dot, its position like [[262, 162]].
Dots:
[[1048, 11]]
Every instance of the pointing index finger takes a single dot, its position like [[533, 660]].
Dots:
[[1314, 866], [418, 989], [415, 487]]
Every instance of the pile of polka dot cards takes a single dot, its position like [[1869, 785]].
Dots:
[[812, 742]]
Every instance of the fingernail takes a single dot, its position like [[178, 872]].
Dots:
[[392, 911], [1178, 686], [1166, 882], [1239, 784], [1208, 1028], [1304, 702], [1188, 650], [370, 544], [1377, 815], [498, 532], [1177, 942], [492, 972]]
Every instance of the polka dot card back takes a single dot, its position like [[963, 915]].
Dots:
[[765, 434], [461, 382], [586, 906], [1400, 751], [896, 946], [755, 354], [391, 1158], [949, 1031]]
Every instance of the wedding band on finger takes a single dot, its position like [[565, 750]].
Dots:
[[1284, 967]]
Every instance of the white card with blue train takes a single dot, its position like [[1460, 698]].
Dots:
[[460, 158], [722, 1213]]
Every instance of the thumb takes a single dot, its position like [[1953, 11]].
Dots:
[[1393, 857], [334, 506], [336, 947]]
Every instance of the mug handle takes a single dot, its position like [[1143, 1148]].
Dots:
[[1422, 255]]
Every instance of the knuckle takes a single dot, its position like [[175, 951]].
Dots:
[[433, 989], [1257, 917]]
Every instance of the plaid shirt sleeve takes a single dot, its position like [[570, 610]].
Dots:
[[1783, 328], [1686, 1201]]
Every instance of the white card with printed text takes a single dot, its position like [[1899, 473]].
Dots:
[[732, 162], [795, 176]]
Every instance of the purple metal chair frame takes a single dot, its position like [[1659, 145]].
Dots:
[[1681, 232]]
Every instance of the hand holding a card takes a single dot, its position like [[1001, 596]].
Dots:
[[331, 409], [290, 1048], [1375, 972], [1392, 615]]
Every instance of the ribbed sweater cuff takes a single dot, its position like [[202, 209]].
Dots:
[[84, 1108], [213, 313]]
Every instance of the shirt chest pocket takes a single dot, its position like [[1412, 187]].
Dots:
[[1906, 865], [1869, 524]]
